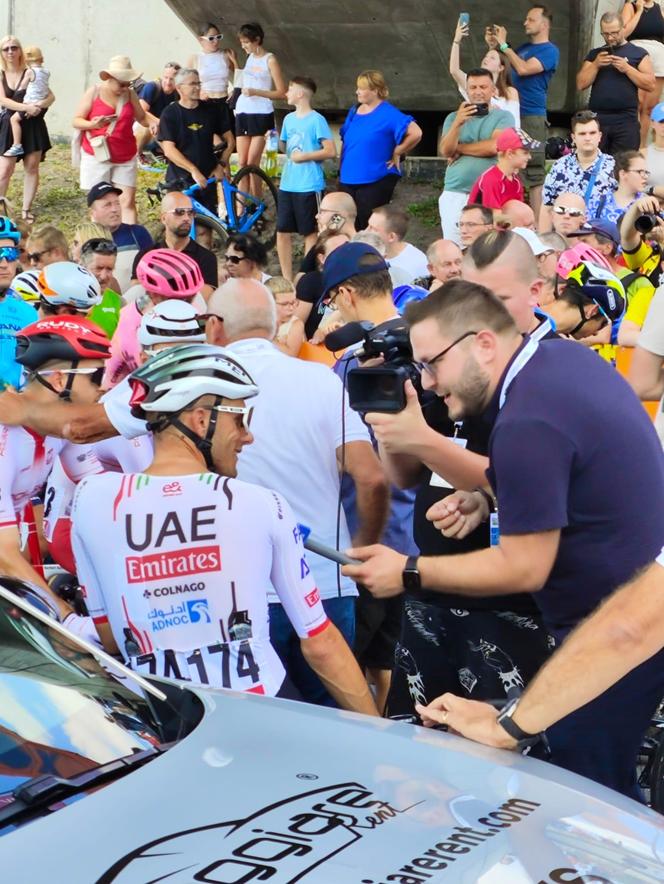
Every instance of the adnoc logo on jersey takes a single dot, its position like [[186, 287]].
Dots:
[[178, 563], [179, 615]]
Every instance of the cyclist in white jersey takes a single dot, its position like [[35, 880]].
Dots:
[[176, 563], [169, 323], [63, 357]]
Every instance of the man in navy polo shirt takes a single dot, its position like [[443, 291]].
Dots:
[[577, 517], [104, 205], [533, 65]]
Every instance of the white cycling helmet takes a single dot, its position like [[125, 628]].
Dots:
[[176, 377], [65, 284], [170, 322], [25, 285]]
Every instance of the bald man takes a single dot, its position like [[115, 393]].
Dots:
[[504, 263], [514, 213], [568, 213], [177, 216], [337, 212], [444, 259]]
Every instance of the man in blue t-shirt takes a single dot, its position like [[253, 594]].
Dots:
[[577, 518], [105, 209], [154, 96], [533, 65], [306, 140]]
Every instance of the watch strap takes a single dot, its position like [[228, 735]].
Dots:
[[508, 724], [503, 46]]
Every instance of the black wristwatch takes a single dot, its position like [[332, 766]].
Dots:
[[508, 724], [410, 576]]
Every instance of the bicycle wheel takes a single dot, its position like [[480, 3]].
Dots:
[[210, 227], [265, 225]]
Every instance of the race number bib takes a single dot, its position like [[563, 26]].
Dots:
[[221, 665]]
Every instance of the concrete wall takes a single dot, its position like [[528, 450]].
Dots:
[[78, 37]]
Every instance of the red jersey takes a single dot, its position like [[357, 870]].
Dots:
[[493, 189]]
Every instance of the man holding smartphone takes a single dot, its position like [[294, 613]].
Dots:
[[468, 143], [615, 72]]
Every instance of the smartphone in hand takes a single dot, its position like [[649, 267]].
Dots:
[[464, 19]]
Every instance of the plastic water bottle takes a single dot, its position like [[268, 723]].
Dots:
[[271, 152]]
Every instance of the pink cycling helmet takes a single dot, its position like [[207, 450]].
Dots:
[[571, 258], [169, 273]]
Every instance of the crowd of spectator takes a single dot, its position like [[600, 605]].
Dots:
[[522, 316]]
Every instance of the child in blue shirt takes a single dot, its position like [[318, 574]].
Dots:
[[306, 140]]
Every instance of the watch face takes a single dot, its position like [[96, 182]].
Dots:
[[411, 579]]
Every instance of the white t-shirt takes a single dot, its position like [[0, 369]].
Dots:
[[297, 428], [655, 165], [180, 567], [412, 260]]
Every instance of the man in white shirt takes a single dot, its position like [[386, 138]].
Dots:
[[391, 225], [304, 432]]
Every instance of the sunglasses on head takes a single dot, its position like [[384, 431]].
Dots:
[[99, 246], [573, 213], [9, 253]]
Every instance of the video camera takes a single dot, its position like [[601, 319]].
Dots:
[[379, 388]]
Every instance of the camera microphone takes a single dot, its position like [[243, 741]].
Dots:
[[347, 335]]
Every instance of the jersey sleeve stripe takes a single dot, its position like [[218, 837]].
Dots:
[[116, 502], [318, 629], [99, 621]]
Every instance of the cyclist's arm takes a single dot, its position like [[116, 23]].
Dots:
[[322, 645], [333, 662], [13, 564], [77, 423]]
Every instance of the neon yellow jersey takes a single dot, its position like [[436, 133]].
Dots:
[[639, 295], [646, 258]]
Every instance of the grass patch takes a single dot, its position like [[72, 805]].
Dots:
[[426, 211]]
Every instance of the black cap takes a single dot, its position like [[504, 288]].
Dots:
[[100, 190]]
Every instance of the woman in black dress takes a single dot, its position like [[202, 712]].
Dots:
[[13, 83], [644, 26]]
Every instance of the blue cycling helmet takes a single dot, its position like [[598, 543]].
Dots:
[[404, 294], [8, 230]]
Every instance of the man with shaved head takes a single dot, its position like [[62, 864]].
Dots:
[[568, 213], [504, 263], [337, 212], [514, 213], [444, 262], [177, 215], [299, 439]]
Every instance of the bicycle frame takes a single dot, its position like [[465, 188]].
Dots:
[[232, 223]]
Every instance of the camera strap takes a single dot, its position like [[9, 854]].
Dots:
[[593, 177]]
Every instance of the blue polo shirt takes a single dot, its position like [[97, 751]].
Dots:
[[132, 236], [532, 89], [582, 457]]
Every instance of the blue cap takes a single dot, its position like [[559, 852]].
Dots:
[[350, 259], [657, 113], [601, 227]]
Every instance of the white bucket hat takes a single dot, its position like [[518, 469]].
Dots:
[[119, 68]]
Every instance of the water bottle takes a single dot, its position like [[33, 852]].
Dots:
[[271, 151]]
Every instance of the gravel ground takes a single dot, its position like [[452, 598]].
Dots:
[[60, 201]]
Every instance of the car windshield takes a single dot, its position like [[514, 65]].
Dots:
[[61, 713]]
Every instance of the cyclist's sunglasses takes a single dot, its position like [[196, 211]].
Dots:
[[243, 415], [99, 246], [96, 375], [9, 253]]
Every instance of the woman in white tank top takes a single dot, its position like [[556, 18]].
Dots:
[[262, 83], [215, 66]]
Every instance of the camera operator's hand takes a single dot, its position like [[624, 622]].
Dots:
[[629, 235], [381, 570], [467, 110], [400, 433], [459, 513]]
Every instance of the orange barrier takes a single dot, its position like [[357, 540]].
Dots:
[[623, 361]]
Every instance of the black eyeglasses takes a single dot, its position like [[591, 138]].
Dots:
[[202, 319], [98, 246], [234, 259], [428, 366]]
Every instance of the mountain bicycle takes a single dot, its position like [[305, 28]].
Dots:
[[239, 210]]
